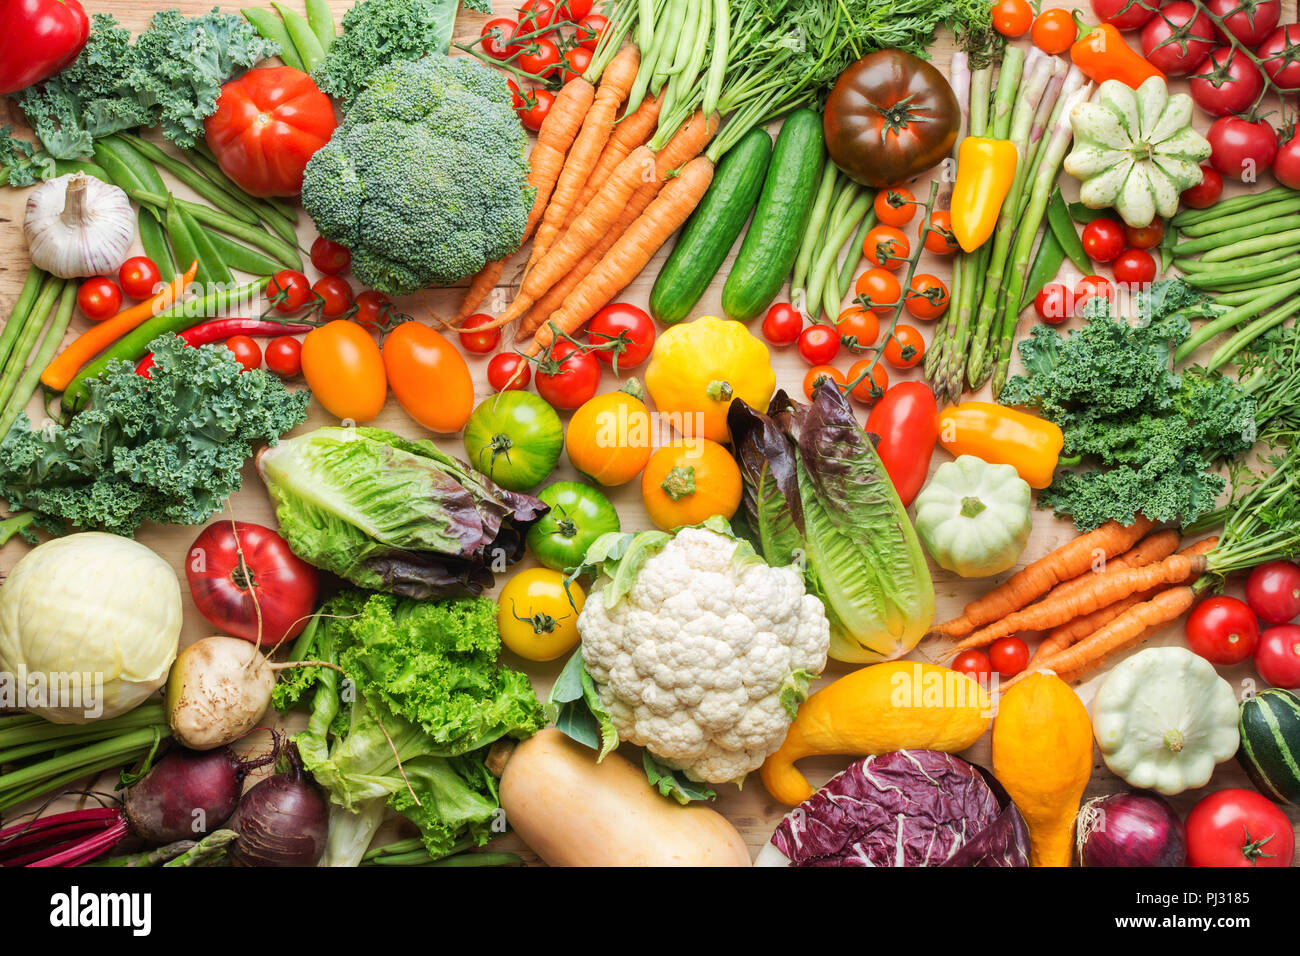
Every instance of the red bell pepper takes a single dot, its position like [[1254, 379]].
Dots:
[[38, 38], [907, 420]]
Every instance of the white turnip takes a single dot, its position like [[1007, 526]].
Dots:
[[218, 690]]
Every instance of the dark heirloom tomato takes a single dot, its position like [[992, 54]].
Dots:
[[890, 117]]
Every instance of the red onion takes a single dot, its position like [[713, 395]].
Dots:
[[282, 821], [1130, 829]]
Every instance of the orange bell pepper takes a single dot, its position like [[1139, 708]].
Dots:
[[1003, 436], [1103, 55]]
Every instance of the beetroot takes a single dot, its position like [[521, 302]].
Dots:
[[282, 821], [187, 794]]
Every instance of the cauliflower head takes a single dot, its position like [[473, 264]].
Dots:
[[706, 656]]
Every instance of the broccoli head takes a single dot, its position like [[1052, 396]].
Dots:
[[426, 180]]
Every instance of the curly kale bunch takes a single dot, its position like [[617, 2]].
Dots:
[[426, 180]]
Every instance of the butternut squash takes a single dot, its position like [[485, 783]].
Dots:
[[899, 705], [573, 811], [1042, 755]]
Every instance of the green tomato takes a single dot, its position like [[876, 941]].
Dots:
[[515, 439], [579, 515]]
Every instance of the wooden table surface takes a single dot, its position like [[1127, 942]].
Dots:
[[752, 811]]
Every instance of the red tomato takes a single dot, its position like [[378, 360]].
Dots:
[[99, 298], [927, 297], [1206, 194], [590, 29], [1273, 591], [284, 356], [247, 583], [247, 352], [887, 247], [872, 387], [536, 15], [1242, 149], [572, 11], [1091, 287], [1008, 656], [1125, 14], [1012, 18], [820, 375], [1148, 237], [568, 376], [858, 328], [1239, 827], [480, 343], [1277, 657], [1179, 40], [1282, 68], [502, 371], [819, 344], [331, 258], [139, 276], [374, 312], [576, 62], [289, 291], [907, 420], [623, 336], [535, 107], [895, 206], [879, 290], [1286, 164], [268, 123], [1054, 303], [1227, 83], [1134, 268], [1250, 21], [782, 324], [939, 239], [973, 663], [1103, 240], [496, 36], [905, 347], [335, 296], [540, 58], [1054, 31], [1223, 630]]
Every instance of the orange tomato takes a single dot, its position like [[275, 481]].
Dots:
[[1012, 18], [905, 347], [1054, 31], [429, 377], [940, 240], [688, 481], [887, 247], [822, 373], [858, 328], [869, 389], [927, 296], [881, 290], [609, 438], [345, 370], [895, 206]]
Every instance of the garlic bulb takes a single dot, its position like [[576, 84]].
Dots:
[[78, 226]]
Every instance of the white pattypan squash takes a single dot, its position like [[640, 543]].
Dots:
[[974, 518]]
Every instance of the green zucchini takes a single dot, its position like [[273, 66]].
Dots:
[[772, 241], [712, 229], [1269, 724]]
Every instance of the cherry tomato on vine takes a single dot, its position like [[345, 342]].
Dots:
[[881, 290], [1147, 237], [99, 298], [335, 296], [819, 344], [1251, 23], [284, 356], [782, 324], [289, 291], [1103, 240], [540, 58], [479, 343], [502, 369], [1227, 82], [895, 206], [820, 374], [247, 352], [1091, 287], [973, 663], [536, 15], [1008, 656], [138, 277], [1207, 193], [568, 376], [1012, 18], [576, 62], [940, 239], [858, 328], [1054, 303], [1273, 591], [496, 36], [887, 247], [1134, 268], [572, 11], [374, 311], [905, 347], [623, 335], [1054, 31], [1242, 148], [870, 389], [927, 297], [329, 257], [590, 29], [534, 107], [1125, 14]]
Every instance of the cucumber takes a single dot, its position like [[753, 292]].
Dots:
[[772, 242], [712, 229], [1269, 724]]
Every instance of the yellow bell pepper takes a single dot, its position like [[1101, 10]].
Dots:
[[985, 170], [1003, 436]]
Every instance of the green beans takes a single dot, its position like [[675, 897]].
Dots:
[[154, 240], [15, 400], [812, 235], [214, 194], [1288, 240], [1242, 293], [855, 252], [182, 242], [281, 224], [1048, 260], [1238, 233], [1225, 207], [1267, 299], [272, 28], [1253, 214], [1226, 352], [241, 258], [212, 268], [832, 296], [277, 248], [851, 203], [1209, 277]]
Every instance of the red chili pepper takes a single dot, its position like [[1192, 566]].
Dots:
[[218, 330], [38, 38], [907, 420]]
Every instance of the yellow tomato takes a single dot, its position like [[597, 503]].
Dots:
[[608, 438], [535, 617], [345, 370], [689, 481]]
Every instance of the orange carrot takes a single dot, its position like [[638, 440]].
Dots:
[[1154, 547], [631, 253], [1068, 561], [98, 337], [629, 133], [479, 289], [597, 126]]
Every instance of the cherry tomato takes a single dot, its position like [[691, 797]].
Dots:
[[99, 298], [895, 206], [590, 29], [905, 347], [1273, 591], [940, 240], [536, 15], [540, 58], [496, 36], [870, 389], [1103, 240], [1008, 656], [1206, 194], [820, 374], [1241, 148], [1283, 68], [289, 291], [329, 257], [335, 296], [1227, 83], [1239, 827], [819, 344], [247, 352], [858, 328], [886, 246], [502, 371], [1091, 287], [139, 276], [1147, 237], [568, 377], [623, 336], [480, 343], [879, 289], [1277, 656], [927, 297], [1177, 42], [1125, 14], [1286, 165], [1054, 303], [534, 109], [1012, 18], [782, 324], [572, 11], [1250, 21], [974, 663], [1134, 268], [1054, 31], [1223, 630], [576, 62], [284, 356], [374, 312]]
